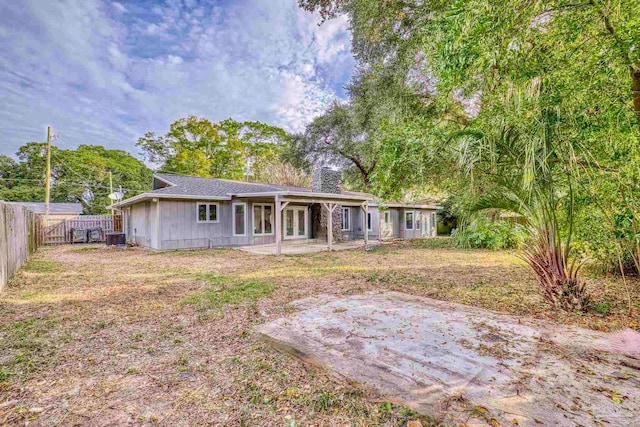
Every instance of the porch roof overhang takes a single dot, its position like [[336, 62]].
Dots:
[[284, 196], [150, 196], [308, 197], [406, 206]]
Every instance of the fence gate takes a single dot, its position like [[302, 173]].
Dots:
[[59, 229]]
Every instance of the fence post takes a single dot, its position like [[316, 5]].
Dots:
[[4, 248]]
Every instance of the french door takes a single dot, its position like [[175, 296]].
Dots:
[[296, 220]]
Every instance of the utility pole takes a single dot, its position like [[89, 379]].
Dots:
[[111, 192], [47, 178]]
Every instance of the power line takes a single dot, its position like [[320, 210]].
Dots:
[[68, 182]]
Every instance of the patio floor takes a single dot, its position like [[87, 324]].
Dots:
[[465, 365], [303, 247]]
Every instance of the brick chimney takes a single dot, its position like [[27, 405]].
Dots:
[[326, 180]]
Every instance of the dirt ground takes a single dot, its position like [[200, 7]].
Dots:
[[97, 336]]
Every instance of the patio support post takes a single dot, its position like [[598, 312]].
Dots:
[[330, 207], [278, 226], [279, 205], [365, 209], [330, 228]]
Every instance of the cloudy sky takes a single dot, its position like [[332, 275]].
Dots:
[[106, 72]]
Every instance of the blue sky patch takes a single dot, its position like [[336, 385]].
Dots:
[[103, 72]]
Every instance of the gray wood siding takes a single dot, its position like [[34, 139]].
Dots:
[[360, 223], [416, 232], [395, 220], [179, 228], [141, 222], [355, 217]]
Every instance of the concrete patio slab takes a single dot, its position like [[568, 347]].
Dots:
[[465, 365], [302, 247]]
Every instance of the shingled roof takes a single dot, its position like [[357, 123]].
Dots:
[[197, 186], [192, 187]]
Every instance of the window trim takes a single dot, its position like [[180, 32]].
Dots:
[[387, 218], [207, 204], [348, 210], [413, 220], [233, 218], [369, 221], [253, 218]]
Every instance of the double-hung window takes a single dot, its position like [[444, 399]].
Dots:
[[262, 219], [345, 219], [207, 212], [408, 220]]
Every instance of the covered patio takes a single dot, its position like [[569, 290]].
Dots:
[[329, 203], [300, 247]]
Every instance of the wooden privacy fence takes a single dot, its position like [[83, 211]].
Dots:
[[54, 230], [18, 239]]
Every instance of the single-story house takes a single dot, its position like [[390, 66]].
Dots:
[[186, 212]]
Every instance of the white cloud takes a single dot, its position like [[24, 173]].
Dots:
[[332, 38], [100, 80], [118, 7], [300, 101]]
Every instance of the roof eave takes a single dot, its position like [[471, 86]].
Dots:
[[155, 176], [150, 196], [304, 194]]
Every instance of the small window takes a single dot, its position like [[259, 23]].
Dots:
[[369, 221], [262, 219], [408, 220], [240, 219], [345, 219], [387, 217], [207, 212]]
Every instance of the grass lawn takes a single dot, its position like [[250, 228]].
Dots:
[[90, 335]]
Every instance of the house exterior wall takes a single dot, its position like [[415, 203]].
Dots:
[[352, 232], [180, 228], [425, 214], [175, 226], [140, 225], [360, 223]]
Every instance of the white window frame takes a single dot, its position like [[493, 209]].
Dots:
[[207, 204], [253, 217], [387, 218], [369, 221], [342, 221], [413, 220], [233, 218]]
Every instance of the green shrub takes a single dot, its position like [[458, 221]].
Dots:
[[490, 235], [602, 308]]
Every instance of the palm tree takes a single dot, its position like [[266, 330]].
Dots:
[[525, 165]]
